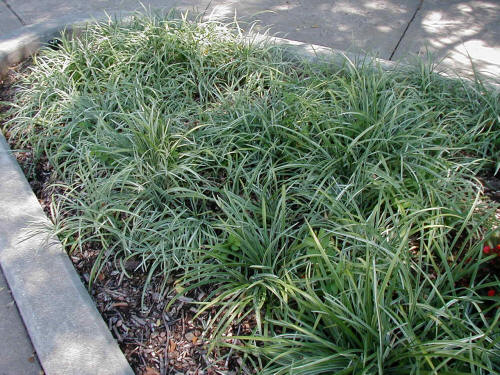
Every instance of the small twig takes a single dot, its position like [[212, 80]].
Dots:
[[121, 278], [118, 337], [141, 356], [183, 324], [231, 350], [165, 355]]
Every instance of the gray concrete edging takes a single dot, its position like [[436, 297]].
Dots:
[[67, 331], [64, 325]]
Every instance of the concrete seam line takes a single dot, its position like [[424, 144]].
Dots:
[[14, 12], [419, 6]]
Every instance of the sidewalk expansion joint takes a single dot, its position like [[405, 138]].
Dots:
[[14, 12], [419, 6]]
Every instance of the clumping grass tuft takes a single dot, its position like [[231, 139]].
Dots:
[[338, 206]]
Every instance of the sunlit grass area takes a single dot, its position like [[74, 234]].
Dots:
[[338, 207]]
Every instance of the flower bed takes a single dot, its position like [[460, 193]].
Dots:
[[309, 219]]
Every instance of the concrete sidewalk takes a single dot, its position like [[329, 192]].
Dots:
[[17, 355], [454, 30]]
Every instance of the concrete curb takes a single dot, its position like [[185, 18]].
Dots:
[[24, 42], [66, 330], [65, 327], [317, 53]]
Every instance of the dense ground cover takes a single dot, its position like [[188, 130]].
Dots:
[[337, 209]]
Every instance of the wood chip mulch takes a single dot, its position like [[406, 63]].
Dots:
[[155, 340]]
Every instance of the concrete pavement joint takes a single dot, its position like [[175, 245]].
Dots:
[[14, 12], [419, 6], [206, 8]]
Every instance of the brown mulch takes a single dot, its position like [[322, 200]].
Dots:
[[154, 340]]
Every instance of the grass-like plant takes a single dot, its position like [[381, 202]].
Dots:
[[338, 206]]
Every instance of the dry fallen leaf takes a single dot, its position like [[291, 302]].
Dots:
[[171, 346], [119, 304], [150, 371]]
